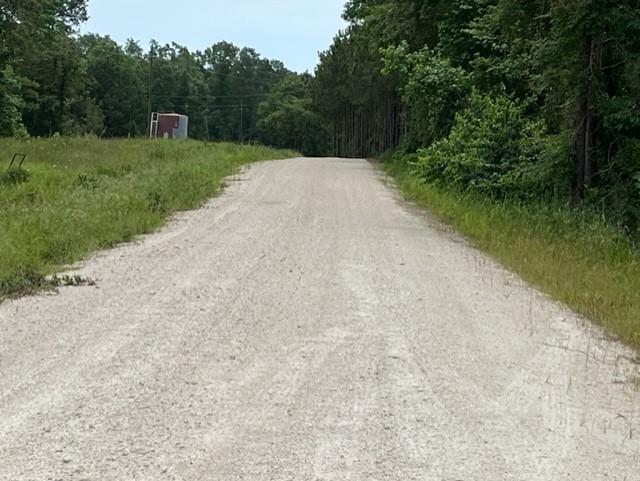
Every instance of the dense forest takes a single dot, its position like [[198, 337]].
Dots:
[[56, 82], [509, 99]]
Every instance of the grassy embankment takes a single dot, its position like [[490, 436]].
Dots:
[[572, 256], [81, 195]]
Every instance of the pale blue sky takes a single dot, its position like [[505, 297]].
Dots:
[[293, 31]]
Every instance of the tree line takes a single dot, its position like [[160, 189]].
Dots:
[[54, 81], [511, 99], [517, 99]]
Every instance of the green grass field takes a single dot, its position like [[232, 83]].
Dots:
[[572, 256], [79, 195]]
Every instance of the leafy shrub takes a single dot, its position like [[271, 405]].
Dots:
[[618, 192], [24, 281], [493, 149], [156, 202], [14, 176], [11, 105], [431, 86], [29, 281], [86, 181]]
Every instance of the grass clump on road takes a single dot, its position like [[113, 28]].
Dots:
[[571, 255], [75, 196]]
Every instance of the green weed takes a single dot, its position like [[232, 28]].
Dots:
[[14, 176], [29, 282]]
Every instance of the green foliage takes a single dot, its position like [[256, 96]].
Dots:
[[86, 181], [235, 81], [287, 119], [556, 109], [88, 194], [574, 256], [54, 81], [55, 89], [25, 23], [362, 107], [493, 149], [431, 86], [116, 82], [28, 282], [14, 176], [22, 282], [10, 105], [618, 196], [554, 112]]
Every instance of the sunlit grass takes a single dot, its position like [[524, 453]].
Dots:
[[569, 254], [80, 195]]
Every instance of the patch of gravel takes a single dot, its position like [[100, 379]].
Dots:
[[307, 325]]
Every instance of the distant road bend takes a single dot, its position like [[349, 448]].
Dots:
[[308, 325]]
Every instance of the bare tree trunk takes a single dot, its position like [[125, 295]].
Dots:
[[584, 161]]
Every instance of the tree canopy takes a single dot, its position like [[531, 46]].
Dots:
[[512, 99], [54, 81], [504, 97]]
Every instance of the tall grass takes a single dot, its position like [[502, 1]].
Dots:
[[571, 255], [79, 195]]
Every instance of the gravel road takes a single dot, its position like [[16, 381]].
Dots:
[[308, 325]]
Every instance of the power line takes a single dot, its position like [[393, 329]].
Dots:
[[235, 96], [215, 108], [265, 81], [244, 79]]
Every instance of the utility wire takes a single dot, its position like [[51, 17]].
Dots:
[[216, 97], [219, 75]]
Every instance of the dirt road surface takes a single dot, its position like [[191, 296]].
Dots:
[[308, 325]]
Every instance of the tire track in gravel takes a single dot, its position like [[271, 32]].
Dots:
[[308, 325]]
